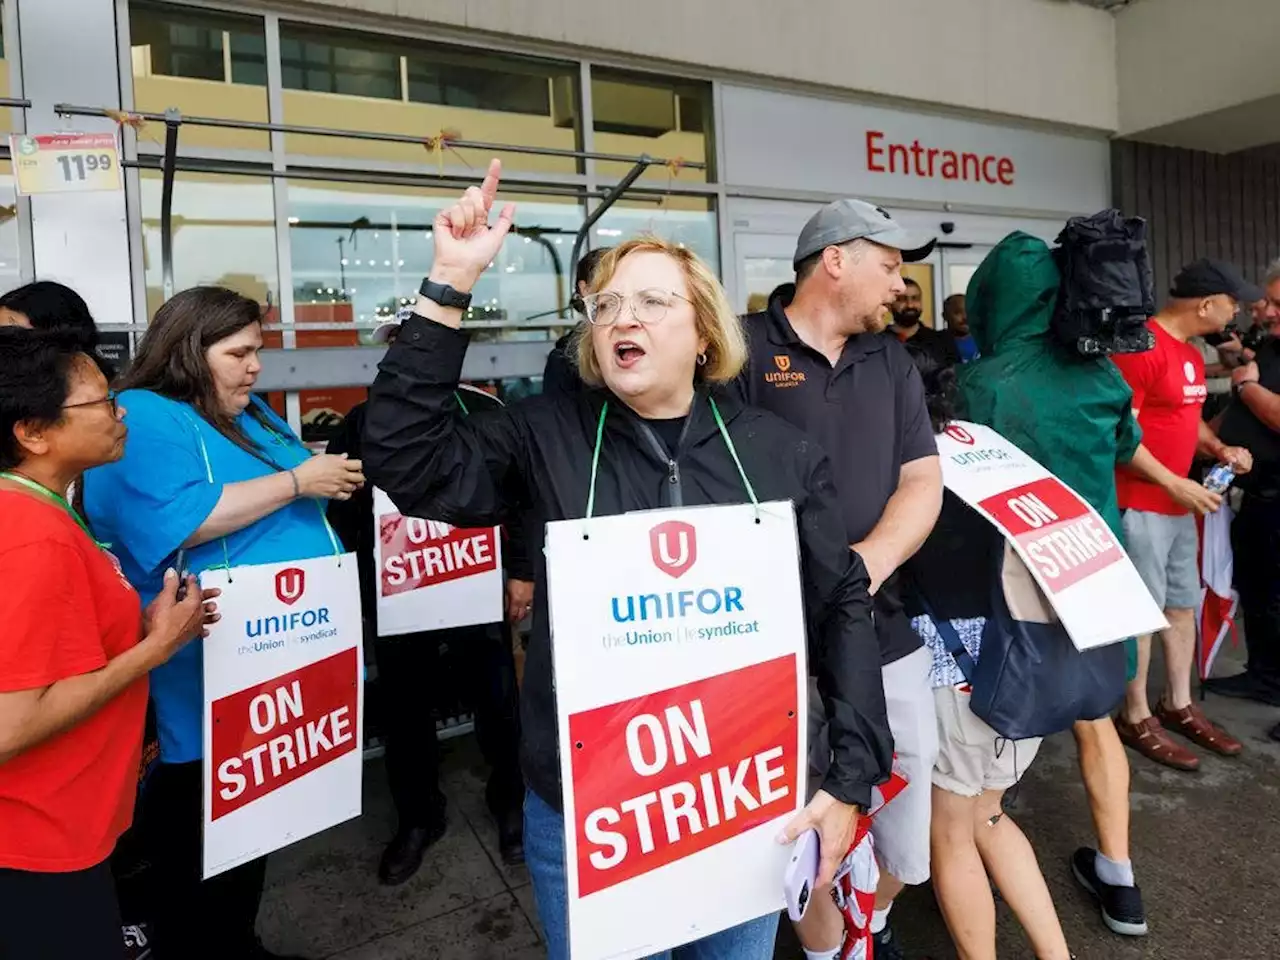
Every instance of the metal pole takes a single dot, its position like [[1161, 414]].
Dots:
[[172, 124], [70, 110], [14, 104], [618, 190]]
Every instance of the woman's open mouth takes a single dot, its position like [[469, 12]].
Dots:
[[627, 353]]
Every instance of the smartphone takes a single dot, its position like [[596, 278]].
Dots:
[[180, 564], [801, 875]]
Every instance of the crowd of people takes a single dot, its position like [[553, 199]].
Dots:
[[831, 395]]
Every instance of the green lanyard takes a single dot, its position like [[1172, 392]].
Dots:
[[208, 467], [724, 432], [55, 499]]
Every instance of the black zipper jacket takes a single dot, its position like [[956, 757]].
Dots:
[[467, 471]]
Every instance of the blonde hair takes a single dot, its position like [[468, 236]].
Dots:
[[715, 319]]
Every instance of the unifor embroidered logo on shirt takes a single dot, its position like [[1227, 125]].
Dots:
[[784, 376]]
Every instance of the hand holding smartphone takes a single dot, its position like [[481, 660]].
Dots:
[[180, 564], [801, 875]]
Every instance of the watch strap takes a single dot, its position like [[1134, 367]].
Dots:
[[444, 295]]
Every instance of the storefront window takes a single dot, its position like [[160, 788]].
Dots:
[[223, 234], [205, 63], [356, 81], [359, 252], [10, 273], [635, 113], [688, 221]]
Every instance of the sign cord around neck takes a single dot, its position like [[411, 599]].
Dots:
[[41, 490], [724, 433], [226, 554]]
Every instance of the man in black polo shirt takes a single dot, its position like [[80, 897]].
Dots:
[[818, 360]]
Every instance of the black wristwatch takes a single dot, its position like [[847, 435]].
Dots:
[[1238, 388], [444, 295]]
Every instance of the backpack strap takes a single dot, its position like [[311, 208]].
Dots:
[[951, 640]]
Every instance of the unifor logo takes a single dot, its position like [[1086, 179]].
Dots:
[[291, 583], [674, 545], [957, 432], [782, 362]]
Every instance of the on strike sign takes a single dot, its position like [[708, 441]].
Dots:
[[679, 658], [1074, 556], [432, 576], [284, 707]]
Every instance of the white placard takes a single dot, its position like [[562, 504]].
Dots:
[[283, 707], [678, 642], [433, 576], [1075, 558]]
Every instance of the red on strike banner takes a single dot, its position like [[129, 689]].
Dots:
[[271, 734], [1062, 536], [418, 553], [663, 776]]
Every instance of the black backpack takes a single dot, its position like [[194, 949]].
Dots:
[[1105, 297]]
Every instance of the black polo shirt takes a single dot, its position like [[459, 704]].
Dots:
[[867, 412]]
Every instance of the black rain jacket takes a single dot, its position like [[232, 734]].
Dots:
[[466, 471]]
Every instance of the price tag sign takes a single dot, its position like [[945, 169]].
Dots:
[[65, 162]]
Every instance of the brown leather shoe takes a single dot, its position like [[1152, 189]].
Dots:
[[1152, 740], [1199, 729]]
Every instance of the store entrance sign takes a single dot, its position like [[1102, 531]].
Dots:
[[779, 141], [65, 162]]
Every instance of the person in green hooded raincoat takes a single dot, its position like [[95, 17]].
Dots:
[[1073, 415]]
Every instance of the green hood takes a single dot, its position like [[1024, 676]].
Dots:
[[1012, 294]]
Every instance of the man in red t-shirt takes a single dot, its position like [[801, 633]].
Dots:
[[1169, 392]]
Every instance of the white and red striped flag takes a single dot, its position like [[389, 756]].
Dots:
[[1218, 599]]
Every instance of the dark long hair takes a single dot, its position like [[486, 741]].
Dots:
[[171, 358], [49, 305], [939, 386]]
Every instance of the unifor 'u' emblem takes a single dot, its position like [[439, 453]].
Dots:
[[674, 546], [291, 583], [783, 362]]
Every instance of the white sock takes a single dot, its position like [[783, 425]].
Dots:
[[1115, 873], [822, 954], [880, 919]]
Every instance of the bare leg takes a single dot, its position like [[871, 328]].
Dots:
[[959, 879], [822, 927], [1012, 864], [887, 890], [1136, 708], [1179, 657], [1105, 770]]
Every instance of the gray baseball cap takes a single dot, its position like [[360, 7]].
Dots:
[[844, 220]]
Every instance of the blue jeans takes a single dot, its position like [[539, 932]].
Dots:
[[544, 856]]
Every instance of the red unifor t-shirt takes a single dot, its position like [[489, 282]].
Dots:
[[65, 610], [1168, 393]]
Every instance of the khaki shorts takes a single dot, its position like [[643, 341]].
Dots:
[[972, 757]]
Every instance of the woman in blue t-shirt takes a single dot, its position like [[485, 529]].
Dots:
[[211, 470]]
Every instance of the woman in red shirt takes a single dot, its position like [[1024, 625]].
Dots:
[[74, 655]]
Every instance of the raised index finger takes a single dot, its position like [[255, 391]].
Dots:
[[489, 189]]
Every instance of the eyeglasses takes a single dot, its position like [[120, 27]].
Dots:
[[604, 309], [111, 398]]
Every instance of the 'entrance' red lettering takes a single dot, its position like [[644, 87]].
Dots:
[[918, 160]]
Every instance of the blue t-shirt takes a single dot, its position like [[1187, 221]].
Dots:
[[967, 348], [148, 503]]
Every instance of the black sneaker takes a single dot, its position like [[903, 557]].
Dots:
[[886, 945], [1122, 910], [137, 943]]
